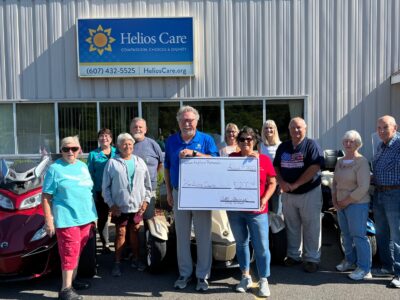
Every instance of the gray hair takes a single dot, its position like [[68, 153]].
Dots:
[[70, 140], [295, 119], [134, 120], [388, 119], [124, 136], [355, 136], [187, 108]]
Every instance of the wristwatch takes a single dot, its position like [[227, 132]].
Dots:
[[194, 153]]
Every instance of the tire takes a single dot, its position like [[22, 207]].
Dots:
[[87, 262], [278, 246], [156, 249], [374, 246], [340, 239], [372, 242]]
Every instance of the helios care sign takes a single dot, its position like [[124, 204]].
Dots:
[[145, 47]]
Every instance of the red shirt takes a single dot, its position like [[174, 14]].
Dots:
[[266, 170]]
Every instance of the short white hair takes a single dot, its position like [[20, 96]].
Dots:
[[123, 137], [187, 108], [137, 119], [70, 140], [355, 136]]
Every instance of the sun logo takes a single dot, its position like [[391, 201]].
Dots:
[[100, 40]]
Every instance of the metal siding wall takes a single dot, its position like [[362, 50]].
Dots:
[[339, 53]]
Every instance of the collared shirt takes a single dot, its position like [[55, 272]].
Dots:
[[96, 162], [151, 153], [386, 162], [201, 142]]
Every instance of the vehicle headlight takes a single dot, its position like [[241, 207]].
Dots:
[[41, 233], [31, 202], [5, 202]]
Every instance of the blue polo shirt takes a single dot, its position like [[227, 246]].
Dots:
[[201, 142]]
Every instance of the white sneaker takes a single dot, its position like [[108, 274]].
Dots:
[[202, 285], [263, 288], [395, 283], [244, 284], [345, 266], [182, 282], [360, 274]]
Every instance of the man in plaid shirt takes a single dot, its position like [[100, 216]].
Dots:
[[386, 202]]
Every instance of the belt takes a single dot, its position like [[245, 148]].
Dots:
[[385, 188]]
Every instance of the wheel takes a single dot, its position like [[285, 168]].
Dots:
[[341, 244], [374, 246], [278, 246], [156, 250], [88, 262], [372, 242]]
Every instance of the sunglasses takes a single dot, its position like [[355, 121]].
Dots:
[[242, 140], [67, 149]]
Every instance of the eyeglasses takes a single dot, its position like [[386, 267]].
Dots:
[[67, 149], [242, 139], [190, 121]]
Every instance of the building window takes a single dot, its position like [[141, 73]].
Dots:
[[79, 119], [35, 128], [117, 116], [244, 113], [160, 118], [210, 117], [282, 111], [7, 145]]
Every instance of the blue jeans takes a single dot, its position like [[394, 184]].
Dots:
[[246, 226], [386, 207], [353, 224]]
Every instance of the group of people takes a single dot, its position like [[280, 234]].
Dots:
[[123, 181]]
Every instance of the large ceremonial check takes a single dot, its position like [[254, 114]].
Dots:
[[219, 183]]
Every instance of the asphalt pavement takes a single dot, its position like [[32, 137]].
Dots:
[[285, 283]]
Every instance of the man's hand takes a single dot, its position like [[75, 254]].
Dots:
[[170, 199], [285, 186]]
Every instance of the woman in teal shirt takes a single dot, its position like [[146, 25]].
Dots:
[[69, 211], [96, 162]]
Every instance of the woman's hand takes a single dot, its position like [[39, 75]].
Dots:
[[263, 203], [335, 204], [143, 208], [115, 210], [50, 229], [344, 203]]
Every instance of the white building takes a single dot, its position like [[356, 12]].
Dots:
[[330, 61]]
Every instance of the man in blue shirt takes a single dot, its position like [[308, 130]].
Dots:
[[193, 143], [298, 163], [386, 201]]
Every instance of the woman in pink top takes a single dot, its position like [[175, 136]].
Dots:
[[351, 199]]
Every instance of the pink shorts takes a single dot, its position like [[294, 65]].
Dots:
[[71, 241]]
